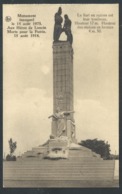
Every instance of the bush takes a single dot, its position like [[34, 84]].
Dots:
[[98, 146], [30, 156], [10, 158], [12, 147]]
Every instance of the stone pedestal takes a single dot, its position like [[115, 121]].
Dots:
[[58, 148]]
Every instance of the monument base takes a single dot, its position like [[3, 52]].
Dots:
[[59, 148], [59, 162], [80, 165]]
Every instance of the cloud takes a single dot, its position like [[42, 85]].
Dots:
[[45, 69], [26, 119], [93, 120]]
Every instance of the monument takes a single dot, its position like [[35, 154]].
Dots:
[[63, 124], [62, 141]]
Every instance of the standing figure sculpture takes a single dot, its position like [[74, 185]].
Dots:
[[67, 29], [58, 25], [60, 117]]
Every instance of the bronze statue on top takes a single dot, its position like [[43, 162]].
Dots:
[[67, 29], [58, 27]]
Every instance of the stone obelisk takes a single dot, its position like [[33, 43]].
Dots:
[[63, 79]]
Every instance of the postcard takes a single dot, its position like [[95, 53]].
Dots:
[[60, 95]]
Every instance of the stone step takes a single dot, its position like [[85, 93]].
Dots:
[[47, 174], [84, 158], [38, 171], [41, 162], [60, 178], [29, 170], [73, 174], [59, 168], [80, 159], [59, 162], [62, 170], [60, 184], [70, 158], [63, 167]]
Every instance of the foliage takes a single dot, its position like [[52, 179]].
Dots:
[[98, 146], [30, 156], [10, 158], [114, 157], [12, 146]]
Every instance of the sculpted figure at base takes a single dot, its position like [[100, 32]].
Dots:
[[60, 117], [58, 25]]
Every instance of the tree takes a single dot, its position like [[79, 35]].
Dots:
[[114, 157], [12, 146], [98, 146]]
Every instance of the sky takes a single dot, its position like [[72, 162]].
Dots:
[[28, 78]]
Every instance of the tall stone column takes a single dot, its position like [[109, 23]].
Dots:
[[63, 85]]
